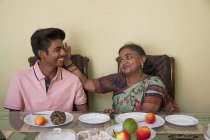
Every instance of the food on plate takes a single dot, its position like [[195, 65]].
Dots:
[[150, 118], [123, 135], [40, 120], [58, 117], [83, 136], [94, 131], [130, 125], [143, 133], [92, 134]]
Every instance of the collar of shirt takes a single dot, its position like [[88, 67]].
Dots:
[[40, 76]]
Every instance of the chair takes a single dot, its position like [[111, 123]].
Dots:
[[80, 61], [165, 69]]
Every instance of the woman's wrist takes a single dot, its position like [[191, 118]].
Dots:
[[69, 65], [73, 67]]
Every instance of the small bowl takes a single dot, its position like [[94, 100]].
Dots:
[[57, 134], [119, 128]]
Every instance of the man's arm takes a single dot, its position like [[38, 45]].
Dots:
[[14, 119], [83, 108]]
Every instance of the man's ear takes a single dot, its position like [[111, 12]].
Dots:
[[41, 53]]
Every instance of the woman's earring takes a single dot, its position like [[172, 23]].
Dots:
[[142, 66]]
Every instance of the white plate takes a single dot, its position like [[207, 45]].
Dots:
[[139, 117], [102, 135], [29, 119], [119, 128], [94, 118], [135, 115], [182, 120]]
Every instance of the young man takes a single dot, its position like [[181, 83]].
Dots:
[[46, 86]]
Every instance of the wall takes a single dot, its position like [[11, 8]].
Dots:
[[97, 29]]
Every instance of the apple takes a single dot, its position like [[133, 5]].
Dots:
[[143, 133], [115, 133], [122, 135], [150, 118]]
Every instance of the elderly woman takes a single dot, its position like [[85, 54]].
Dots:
[[133, 88]]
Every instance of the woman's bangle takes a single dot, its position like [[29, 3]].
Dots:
[[74, 69], [66, 67]]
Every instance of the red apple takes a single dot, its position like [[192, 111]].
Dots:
[[143, 133], [123, 135], [150, 118]]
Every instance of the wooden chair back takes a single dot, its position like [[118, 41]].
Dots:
[[165, 69]]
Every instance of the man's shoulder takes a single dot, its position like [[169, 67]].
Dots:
[[24, 73], [68, 75]]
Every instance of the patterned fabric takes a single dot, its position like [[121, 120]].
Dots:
[[129, 99]]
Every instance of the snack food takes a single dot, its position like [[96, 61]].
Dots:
[[93, 134], [58, 117]]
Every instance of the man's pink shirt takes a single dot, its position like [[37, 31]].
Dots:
[[27, 91]]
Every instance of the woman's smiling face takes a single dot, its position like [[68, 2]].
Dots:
[[129, 61]]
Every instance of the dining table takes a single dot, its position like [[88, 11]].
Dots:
[[13, 126]]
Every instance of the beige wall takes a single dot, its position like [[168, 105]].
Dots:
[[97, 29]]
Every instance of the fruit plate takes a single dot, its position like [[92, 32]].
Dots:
[[29, 119], [94, 118], [88, 134], [139, 117], [181, 120], [119, 128]]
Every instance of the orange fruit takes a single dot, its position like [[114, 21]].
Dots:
[[40, 120]]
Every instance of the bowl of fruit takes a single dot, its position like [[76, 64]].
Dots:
[[130, 130]]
